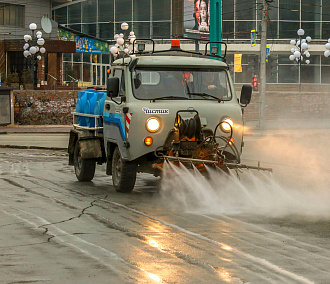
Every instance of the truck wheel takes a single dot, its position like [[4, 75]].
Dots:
[[123, 173], [84, 168]]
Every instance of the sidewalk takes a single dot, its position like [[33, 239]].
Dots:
[[251, 127], [35, 129]]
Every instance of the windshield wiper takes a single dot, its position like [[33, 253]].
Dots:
[[170, 98], [206, 95]]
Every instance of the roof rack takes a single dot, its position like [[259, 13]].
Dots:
[[175, 47]]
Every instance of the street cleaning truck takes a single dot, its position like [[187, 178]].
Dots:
[[168, 106]]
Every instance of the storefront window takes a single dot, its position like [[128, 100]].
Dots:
[[105, 58], [161, 10], [89, 29], [77, 69], [67, 56], [289, 10], [123, 11], [61, 15], [141, 10], [87, 57], [272, 30], [325, 10], [106, 11], [74, 12], [89, 10], [325, 77], [326, 30], [246, 10], [312, 29], [228, 29], [96, 58], [77, 57], [288, 73], [244, 76], [310, 74], [76, 27], [228, 10], [289, 29], [87, 72], [311, 10], [243, 29], [161, 30], [142, 30], [106, 31]]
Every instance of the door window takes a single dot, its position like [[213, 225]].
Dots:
[[120, 74]]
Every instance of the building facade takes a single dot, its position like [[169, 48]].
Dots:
[[15, 18], [166, 19]]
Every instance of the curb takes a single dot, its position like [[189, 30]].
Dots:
[[34, 147], [33, 132]]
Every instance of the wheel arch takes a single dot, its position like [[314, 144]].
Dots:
[[111, 146], [72, 143]]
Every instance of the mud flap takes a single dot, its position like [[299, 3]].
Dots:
[[90, 148]]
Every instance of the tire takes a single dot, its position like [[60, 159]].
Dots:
[[84, 168], [123, 173]]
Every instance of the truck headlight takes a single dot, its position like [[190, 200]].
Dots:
[[153, 124], [226, 125]]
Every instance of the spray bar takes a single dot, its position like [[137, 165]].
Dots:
[[241, 166], [180, 159], [229, 165]]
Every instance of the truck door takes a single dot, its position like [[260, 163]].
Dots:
[[113, 116]]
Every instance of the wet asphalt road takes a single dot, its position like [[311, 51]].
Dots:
[[54, 229]]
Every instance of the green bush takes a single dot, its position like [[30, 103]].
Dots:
[[26, 77], [12, 78]]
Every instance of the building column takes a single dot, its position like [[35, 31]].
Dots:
[[51, 69], [2, 62], [41, 70], [59, 70]]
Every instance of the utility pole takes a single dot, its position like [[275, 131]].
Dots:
[[262, 74], [215, 23]]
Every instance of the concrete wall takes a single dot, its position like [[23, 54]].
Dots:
[[55, 107], [291, 105]]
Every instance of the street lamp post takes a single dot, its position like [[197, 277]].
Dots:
[[327, 49], [33, 47], [300, 51], [121, 47]]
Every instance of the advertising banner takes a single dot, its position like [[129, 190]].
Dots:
[[197, 18], [253, 37], [84, 44], [238, 63]]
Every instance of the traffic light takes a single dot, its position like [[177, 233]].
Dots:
[[255, 83]]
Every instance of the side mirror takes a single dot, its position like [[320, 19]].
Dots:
[[112, 87], [246, 95]]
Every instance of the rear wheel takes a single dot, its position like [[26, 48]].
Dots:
[[123, 173], [84, 168]]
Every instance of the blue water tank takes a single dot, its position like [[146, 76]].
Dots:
[[99, 105], [89, 107], [80, 107]]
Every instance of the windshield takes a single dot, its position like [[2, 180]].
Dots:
[[192, 84]]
